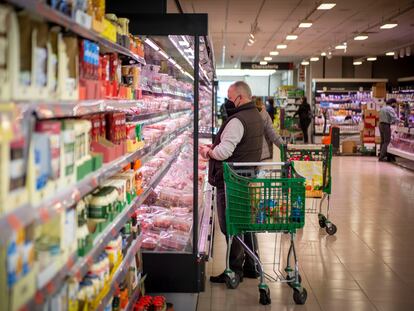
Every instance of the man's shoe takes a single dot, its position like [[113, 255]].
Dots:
[[221, 278], [251, 274]]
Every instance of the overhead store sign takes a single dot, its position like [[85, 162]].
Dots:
[[275, 66]]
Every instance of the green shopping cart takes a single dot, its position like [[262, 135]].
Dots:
[[314, 163], [265, 200]]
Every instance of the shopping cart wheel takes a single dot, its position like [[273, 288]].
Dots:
[[300, 296], [233, 282], [265, 296], [291, 279], [331, 229], [322, 221]]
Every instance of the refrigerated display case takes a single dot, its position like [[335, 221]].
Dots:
[[402, 141]]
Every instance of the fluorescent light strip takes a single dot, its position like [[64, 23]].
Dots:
[[281, 46], [172, 61], [291, 37], [326, 6], [371, 59], [390, 53], [304, 63], [163, 54], [263, 63], [323, 54], [274, 53], [340, 47], [361, 37], [305, 24], [389, 26], [152, 44], [357, 63], [267, 58], [314, 59]]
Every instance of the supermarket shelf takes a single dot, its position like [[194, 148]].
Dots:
[[175, 96], [340, 134], [65, 109], [150, 118], [21, 217], [50, 289], [401, 153], [42, 9], [318, 101], [121, 272], [82, 266], [132, 300]]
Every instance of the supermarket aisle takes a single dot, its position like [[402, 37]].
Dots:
[[366, 266]]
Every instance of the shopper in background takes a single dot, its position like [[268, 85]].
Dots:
[[270, 108], [386, 118], [270, 136], [305, 117], [239, 139]]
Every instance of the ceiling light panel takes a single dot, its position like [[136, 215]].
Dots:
[[372, 58], [323, 54], [263, 63], [388, 26], [274, 53], [314, 59], [281, 46], [390, 53], [357, 63], [326, 6], [267, 58], [304, 63], [291, 37], [340, 47], [305, 24], [361, 37]]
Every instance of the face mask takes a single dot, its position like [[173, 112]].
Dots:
[[230, 106]]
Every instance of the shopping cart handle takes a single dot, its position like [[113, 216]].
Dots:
[[305, 147], [257, 163]]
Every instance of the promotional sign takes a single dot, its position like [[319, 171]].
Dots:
[[312, 171], [274, 66]]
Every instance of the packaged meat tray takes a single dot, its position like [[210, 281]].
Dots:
[[173, 241], [149, 241], [162, 221], [182, 224]]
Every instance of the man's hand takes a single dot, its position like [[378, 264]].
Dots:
[[204, 150]]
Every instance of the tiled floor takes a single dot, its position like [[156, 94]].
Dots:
[[367, 265]]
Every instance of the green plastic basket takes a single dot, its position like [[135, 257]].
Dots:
[[291, 124], [323, 153], [274, 202]]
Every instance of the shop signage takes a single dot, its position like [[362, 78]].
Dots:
[[274, 66], [302, 73]]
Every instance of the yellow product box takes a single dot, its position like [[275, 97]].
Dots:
[[109, 30]]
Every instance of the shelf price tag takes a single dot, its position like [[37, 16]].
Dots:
[[50, 287], [39, 298], [14, 222], [44, 214]]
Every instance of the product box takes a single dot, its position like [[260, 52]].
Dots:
[[348, 147], [379, 90]]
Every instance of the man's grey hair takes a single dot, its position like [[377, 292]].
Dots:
[[243, 88]]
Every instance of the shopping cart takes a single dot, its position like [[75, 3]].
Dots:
[[310, 161], [269, 200]]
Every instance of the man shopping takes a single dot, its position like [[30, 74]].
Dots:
[[239, 139], [386, 118]]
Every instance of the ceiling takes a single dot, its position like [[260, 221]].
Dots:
[[230, 23]]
